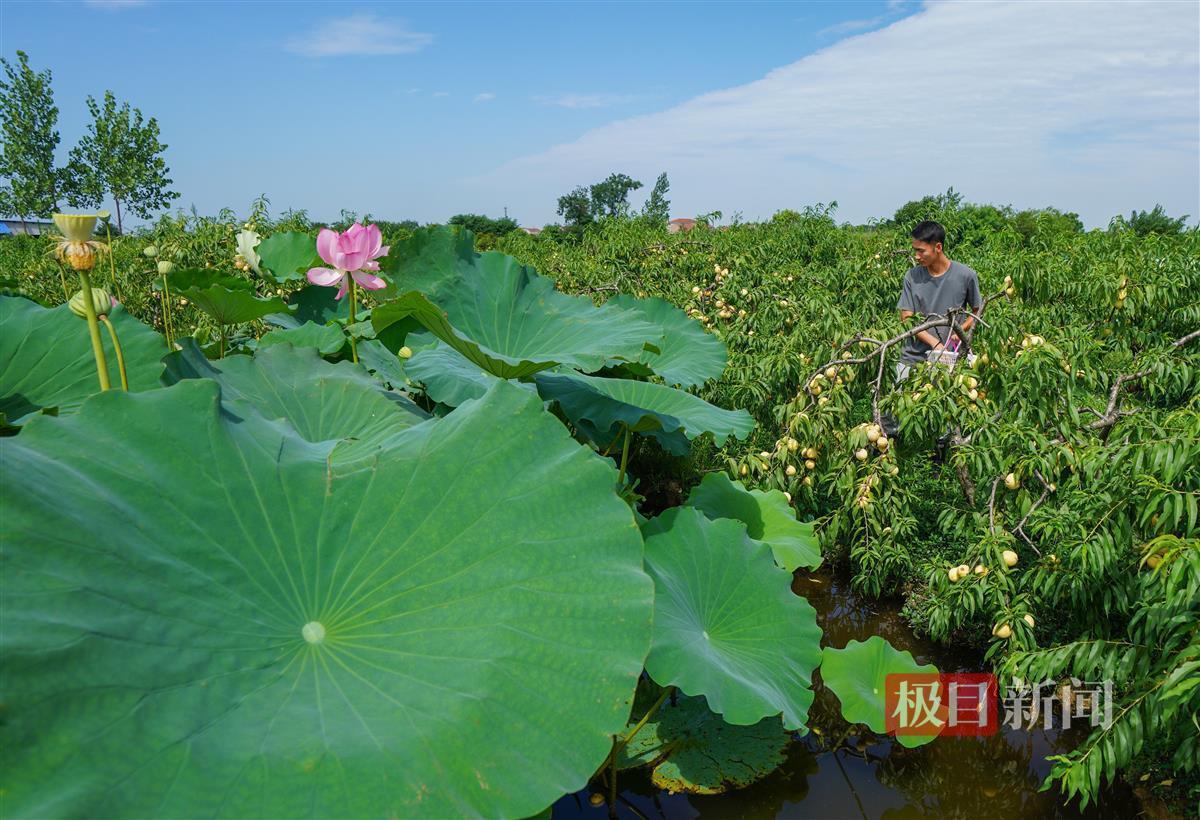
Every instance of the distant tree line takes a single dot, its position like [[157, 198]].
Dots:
[[119, 156]]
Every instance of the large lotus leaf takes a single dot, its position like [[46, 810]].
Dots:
[[322, 401], [229, 300], [289, 255], [726, 623], [327, 339], [641, 406], [206, 622], [694, 751], [46, 358], [767, 515], [449, 377], [673, 442], [858, 676], [689, 356], [515, 319], [312, 303]]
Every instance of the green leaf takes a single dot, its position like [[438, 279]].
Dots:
[[289, 255], [229, 300], [449, 377], [767, 515], [387, 367], [858, 674], [688, 355], [694, 751], [322, 401], [641, 406], [501, 314], [327, 339], [46, 358], [726, 623], [312, 303], [174, 577]]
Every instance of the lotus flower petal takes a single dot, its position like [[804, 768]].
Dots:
[[325, 277], [368, 280], [327, 242]]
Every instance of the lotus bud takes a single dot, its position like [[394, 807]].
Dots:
[[165, 266], [405, 352], [150, 251], [101, 301]]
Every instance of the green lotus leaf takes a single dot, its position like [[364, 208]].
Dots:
[[206, 623], [288, 256], [641, 406], [312, 303], [322, 401], [327, 339], [694, 751], [673, 442], [499, 313], [858, 674], [383, 363], [46, 358], [449, 377], [767, 515], [688, 356], [726, 623], [229, 300]]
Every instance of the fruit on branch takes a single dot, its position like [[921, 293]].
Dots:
[[790, 469], [810, 464], [963, 570], [981, 570], [1010, 558], [1027, 618], [953, 575], [1011, 481], [861, 454], [1003, 631]]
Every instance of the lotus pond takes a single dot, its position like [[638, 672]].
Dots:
[[385, 552]]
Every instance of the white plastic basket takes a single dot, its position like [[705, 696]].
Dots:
[[947, 357]]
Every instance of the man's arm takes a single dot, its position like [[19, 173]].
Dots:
[[925, 336]]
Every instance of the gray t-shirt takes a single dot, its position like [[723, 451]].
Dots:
[[929, 296]]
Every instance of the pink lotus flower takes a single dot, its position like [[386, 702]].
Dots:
[[349, 254]]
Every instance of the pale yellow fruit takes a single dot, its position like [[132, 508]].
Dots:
[[793, 445], [972, 382], [745, 470], [847, 355], [1052, 558], [1011, 481], [981, 570], [821, 402], [807, 482], [695, 288], [953, 575], [765, 454], [830, 372], [1010, 291], [810, 465], [1153, 561], [1122, 293], [863, 502], [963, 570], [1003, 631], [1010, 558], [814, 388], [788, 496], [873, 435], [745, 292], [596, 799], [894, 471], [791, 469], [1028, 619], [861, 454], [972, 394]]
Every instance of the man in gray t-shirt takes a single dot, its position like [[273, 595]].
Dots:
[[935, 286]]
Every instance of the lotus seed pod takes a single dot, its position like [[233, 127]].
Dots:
[[150, 251], [101, 301], [1010, 558], [165, 266]]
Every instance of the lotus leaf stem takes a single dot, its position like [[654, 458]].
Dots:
[[221, 343], [62, 277], [624, 456], [168, 333], [94, 330], [350, 326], [112, 332], [620, 743], [112, 264]]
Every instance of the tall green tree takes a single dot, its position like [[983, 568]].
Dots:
[[479, 224], [658, 207], [576, 207], [610, 198], [28, 117], [120, 156]]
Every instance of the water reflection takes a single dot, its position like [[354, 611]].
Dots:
[[835, 773]]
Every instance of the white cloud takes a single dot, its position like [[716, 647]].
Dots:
[[586, 100], [1087, 106], [114, 4], [484, 96], [850, 26], [359, 34]]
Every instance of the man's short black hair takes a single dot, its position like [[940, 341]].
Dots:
[[930, 232]]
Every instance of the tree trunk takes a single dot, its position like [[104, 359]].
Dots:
[[117, 202]]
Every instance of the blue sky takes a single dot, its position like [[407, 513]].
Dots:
[[423, 110]]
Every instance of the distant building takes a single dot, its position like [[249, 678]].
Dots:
[[680, 225], [33, 227], [532, 231]]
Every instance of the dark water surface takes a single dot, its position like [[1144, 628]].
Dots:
[[870, 776]]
